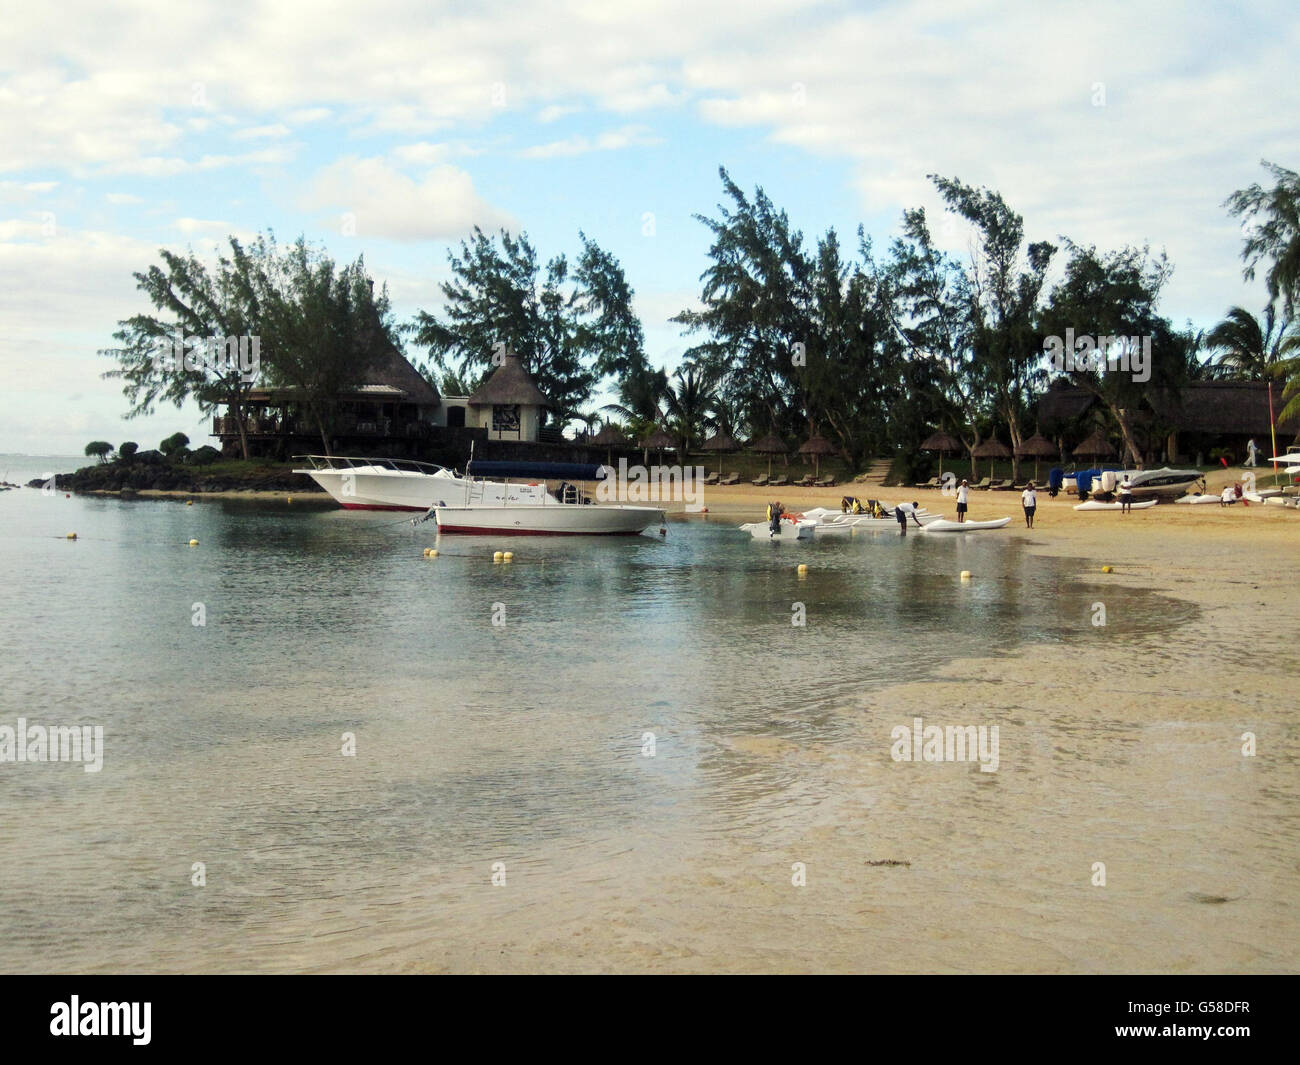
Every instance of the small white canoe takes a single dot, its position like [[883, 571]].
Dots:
[[941, 525], [1093, 504], [790, 530], [1201, 498]]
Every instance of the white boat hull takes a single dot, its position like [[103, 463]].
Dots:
[[790, 530], [1194, 499], [552, 519], [965, 526], [1093, 504], [382, 488], [830, 520]]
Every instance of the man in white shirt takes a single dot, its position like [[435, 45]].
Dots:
[[901, 512], [963, 493], [1125, 495], [1029, 500]]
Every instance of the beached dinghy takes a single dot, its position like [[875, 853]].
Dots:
[[790, 530], [1094, 504], [1198, 497], [940, 525]]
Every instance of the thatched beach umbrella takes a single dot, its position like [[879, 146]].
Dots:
[[817, 446], [1096, 447], [769, 445], [658, 440], [944, 445], [721, 442], [609, 437], [992, 448], [1036, 447]]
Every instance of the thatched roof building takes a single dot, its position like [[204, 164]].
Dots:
[[509, 384]]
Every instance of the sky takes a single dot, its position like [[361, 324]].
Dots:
[[391, 128]]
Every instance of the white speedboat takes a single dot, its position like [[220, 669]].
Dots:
[[965, 526], [1150, 484], [403, 484], [549, 518], [1094, 504], [566, 512], [802, 529]]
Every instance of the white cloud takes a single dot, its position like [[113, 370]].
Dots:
[[275, 130], [383, 202], [191, 226], [119, 198], [612, 140]]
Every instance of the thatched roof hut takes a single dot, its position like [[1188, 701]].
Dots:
[[509, 385]]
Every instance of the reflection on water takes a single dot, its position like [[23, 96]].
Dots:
[[522, 742]]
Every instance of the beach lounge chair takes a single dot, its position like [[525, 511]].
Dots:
[[985, 483], [993, 484], [759, 481], [732, 478], [806, 481], [933, 482], [826, 482], [779, 481], [711, 478]]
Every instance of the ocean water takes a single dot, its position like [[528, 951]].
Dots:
[[585, 738]]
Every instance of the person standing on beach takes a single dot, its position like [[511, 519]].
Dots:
[[1254, 451], [1125, 495], [1029, 500], [963, 493]]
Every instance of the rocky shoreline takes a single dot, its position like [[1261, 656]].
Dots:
[[144, 474]]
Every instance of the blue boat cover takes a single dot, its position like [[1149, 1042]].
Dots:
[[536, 471]]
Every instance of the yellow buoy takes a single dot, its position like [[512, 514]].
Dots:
[[803, 569], [433, 552], [194, 543], [1107, 569], [189, 502], [426, 552], [965, 574], [72, 536], [497, 556], [509, 556], [290, 499]]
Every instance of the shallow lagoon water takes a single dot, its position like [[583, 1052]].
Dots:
[[523, 742]]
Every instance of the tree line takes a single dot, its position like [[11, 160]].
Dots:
[[871, 348]]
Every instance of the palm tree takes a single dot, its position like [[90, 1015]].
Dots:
[[640, 395], [1248, 345], [1274, 215], [691, 402], [1288, 368]]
